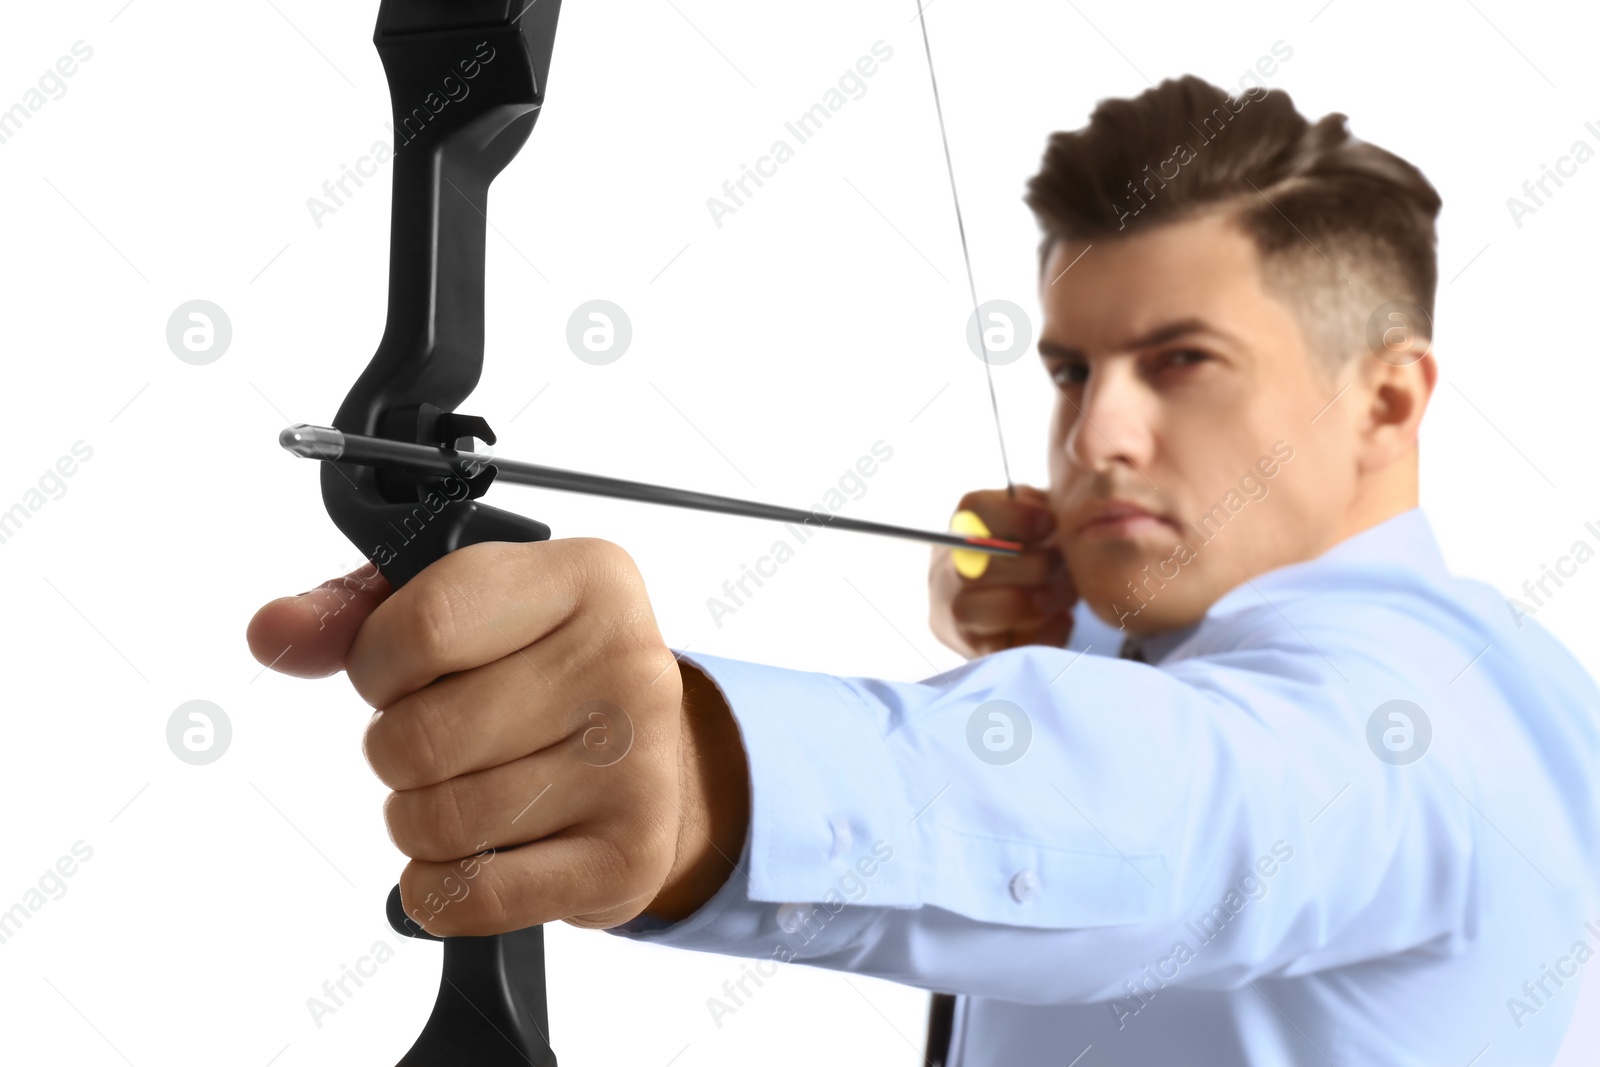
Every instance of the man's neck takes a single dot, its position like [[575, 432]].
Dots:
[[1381, 496]]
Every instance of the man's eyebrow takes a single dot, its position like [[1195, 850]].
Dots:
[[1170, 331]]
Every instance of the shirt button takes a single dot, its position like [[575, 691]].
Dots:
[[841, 836], [792, 916], [1024, 887]]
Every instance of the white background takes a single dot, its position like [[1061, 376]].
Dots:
[[768, 355]]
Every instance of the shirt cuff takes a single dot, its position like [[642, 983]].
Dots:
[[830, 822]]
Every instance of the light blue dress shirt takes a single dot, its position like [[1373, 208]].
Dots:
[[1349, 818]]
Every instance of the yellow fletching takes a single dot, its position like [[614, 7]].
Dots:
[[969, 564]]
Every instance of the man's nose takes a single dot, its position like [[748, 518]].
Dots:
[[1114, 420]]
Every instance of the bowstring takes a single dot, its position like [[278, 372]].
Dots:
[[966, 255]]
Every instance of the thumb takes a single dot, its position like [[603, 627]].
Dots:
[[309, 636]]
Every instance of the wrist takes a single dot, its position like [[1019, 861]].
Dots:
[[715, 800]]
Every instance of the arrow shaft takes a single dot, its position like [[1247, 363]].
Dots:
[[327, 444]]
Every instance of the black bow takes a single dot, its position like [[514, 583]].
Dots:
[[466, 79]]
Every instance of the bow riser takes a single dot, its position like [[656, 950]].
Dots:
[[466, 81]]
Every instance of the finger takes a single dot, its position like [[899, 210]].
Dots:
[[1052, 633], [484, 718], [559, 878], [481, 603], [983, 612], [1022, 515], [309, 636], [462, 723], [1027, 517], [1033, 566], [537, 796]]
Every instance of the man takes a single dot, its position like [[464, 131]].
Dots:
[[1237, 773]]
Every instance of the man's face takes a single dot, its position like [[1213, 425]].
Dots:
[[1188, 391]]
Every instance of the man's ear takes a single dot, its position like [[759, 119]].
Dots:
[[1396, 393]]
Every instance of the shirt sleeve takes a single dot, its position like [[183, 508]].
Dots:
[[1046, 826]]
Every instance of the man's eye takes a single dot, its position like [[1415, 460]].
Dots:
[[1070, 375], [1184, 357]]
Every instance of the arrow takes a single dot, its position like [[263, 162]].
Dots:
[[330, 445]]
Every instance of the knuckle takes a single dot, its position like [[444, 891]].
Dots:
[[404, 824], [973, 499], [449, 819], [614, 864], [414, 892], [971, 608], [646, 852], [610, 564], [445, 903], [633, 641], [597, 552], [428, 824], [600, 574], [436, 618], [489, 906], [450, 810], [399, 821], [412, 744]]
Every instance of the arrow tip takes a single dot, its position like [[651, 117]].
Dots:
[[312, 442]]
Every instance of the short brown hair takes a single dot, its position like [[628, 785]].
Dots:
[[1342, 226]]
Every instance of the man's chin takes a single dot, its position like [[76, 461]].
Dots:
[[1113, 562], [1154, 617], [1126, 587]]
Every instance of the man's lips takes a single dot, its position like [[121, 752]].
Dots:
[[1117, 518]]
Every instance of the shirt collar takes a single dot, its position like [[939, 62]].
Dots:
[[1405, 540]]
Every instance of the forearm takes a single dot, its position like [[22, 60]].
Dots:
[[881, 842]]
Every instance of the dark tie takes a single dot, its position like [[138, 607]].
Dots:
[[941, 1017], [942, 1011]]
